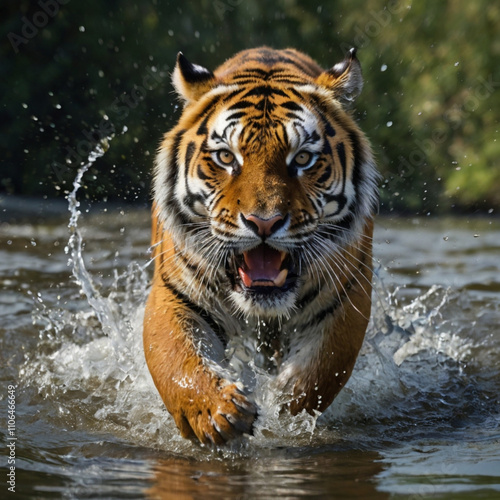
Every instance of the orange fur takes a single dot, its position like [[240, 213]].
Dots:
[[293, 194]]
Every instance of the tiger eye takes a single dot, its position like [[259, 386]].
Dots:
[[225, 157], [302, 158]]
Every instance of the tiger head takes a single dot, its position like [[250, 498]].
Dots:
[[265, 174]]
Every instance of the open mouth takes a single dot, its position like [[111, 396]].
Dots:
[[263, 269]]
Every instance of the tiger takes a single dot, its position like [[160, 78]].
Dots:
[[264, 197]]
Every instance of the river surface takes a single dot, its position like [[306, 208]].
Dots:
[[418, 419]]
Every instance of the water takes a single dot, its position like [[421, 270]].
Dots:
[[419, 417]]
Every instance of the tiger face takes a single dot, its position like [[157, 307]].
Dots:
[[265, 176]]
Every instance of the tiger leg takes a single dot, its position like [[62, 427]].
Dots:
[[202, 403], [322, 357], [318, 371]]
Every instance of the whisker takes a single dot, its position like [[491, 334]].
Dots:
[[336, 256], [359, 248], [326, 267], [368, 266]]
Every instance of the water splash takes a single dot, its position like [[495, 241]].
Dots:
[[413, 359], [82, 277]]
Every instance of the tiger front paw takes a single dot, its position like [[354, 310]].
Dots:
[[217, 416]]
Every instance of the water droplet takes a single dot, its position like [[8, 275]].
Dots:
[[446, 238]]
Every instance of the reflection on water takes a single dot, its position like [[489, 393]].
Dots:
[[419, 416], [282, 474]]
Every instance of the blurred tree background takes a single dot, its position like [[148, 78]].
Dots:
[[72, 72]]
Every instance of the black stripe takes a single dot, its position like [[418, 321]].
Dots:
[[201, 175], [307, 298], [290, 81], [208, 111], [329, 130], [346, 287], [358, 160], [249, 133], [203, 129], [321, 315], [265, 90], [218, 197], [191, 148], [173, 207], [291, 105], [272, 58], [327, 149], [191, 198], [296, 93], [341, 202], [246, 80], [345, 224], [341, 152], [171, 203], [187, 262], [325, 175], [199, 311], [247, 72], [233, 94], [236, 116], [313, 137], [172, 179], [241, 105]]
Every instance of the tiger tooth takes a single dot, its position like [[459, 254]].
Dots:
[[247, 281], [281, 278]]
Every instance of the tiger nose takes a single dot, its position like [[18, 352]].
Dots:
[[263, 227]]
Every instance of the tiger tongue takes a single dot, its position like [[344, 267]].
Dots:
[[262, 267]]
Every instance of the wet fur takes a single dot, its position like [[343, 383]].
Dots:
[[264, 106]]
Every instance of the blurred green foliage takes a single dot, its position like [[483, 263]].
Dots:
[[72, 72]]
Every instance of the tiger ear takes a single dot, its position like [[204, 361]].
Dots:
[[190, 80], [345, 79]]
